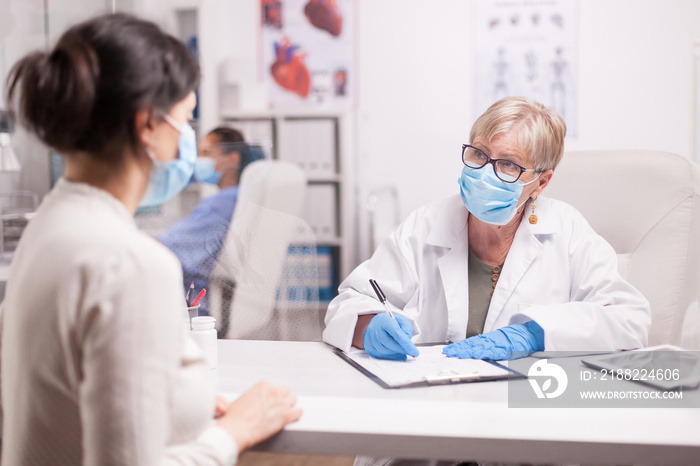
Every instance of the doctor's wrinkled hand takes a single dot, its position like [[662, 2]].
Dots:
[[511, 342], [386, 338]]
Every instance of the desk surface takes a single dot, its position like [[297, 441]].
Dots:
[[345, 413]]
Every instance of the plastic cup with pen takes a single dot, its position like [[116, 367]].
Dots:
[[192, 311], [193, 303]]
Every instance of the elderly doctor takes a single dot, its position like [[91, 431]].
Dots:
[[497, 271]]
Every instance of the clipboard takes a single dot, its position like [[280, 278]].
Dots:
[[433, 369]]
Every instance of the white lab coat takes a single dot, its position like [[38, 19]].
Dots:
[[558, 272]]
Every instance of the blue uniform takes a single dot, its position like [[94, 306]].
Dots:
[[198, 238]]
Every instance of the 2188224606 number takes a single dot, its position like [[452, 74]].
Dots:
[[640, 374]]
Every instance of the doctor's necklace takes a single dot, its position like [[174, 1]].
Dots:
[[495, 275], [481, 274]]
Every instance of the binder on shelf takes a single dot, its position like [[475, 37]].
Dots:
[[308, 275], [299, 278], [320, 211], [327, 286], [258, 131], [312, 144]]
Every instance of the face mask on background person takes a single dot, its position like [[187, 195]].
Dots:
[[169, 178], [489, 198], [205, 171]]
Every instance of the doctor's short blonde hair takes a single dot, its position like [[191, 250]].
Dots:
[[539, 130]]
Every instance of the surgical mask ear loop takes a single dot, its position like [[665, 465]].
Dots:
[[171, 121], [151, 155], [525, 184]]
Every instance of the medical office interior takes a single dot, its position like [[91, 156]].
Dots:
[[625, 74]]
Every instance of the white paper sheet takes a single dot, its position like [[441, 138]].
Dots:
[[430, 366]]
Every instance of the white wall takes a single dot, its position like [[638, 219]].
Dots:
[[416, 90], [635, 72]]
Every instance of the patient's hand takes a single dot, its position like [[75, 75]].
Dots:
[[221, 406], [258, 414]]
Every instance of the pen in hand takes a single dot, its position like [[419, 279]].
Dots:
[[382, 298], [403, 340]]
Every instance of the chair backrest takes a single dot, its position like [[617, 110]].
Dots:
[[646, 204], [265, 223]]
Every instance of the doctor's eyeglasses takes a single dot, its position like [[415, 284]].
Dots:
[[505, 170]]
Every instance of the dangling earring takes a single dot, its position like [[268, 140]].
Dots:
[[532, 218]]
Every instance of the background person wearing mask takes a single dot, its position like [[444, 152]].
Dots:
[[198, 238], [97, 367], [480, 271]]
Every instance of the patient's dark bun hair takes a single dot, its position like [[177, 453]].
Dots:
[[85, 93]]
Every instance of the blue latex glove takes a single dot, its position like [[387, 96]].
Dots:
[[386, 338], [511, 342]]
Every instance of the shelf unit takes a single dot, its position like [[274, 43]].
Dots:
[[187, 30], [16, 209], [319, 142]]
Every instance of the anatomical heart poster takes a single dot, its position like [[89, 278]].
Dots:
[[527, 48], [307, 54]]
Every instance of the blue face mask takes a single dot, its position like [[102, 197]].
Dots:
[[487, 197], [169, 178], [205, 171]]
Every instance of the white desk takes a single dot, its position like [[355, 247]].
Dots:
[[345, 413]]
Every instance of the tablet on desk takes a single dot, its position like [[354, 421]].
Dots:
[[665, 367]]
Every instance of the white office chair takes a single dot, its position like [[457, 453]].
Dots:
[[646, 204], [265, 283]]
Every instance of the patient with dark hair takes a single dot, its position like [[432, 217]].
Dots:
[[97, 367]]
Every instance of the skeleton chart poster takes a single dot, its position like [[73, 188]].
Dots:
[[308, 53], [528, 48]]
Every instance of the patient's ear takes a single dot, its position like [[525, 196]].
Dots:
[[145, 127], [233, 160]]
